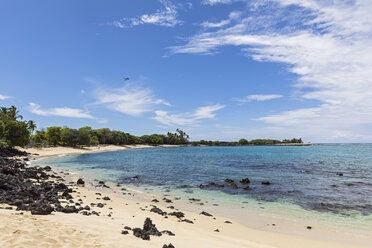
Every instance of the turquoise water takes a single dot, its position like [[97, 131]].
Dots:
[[302, 178]]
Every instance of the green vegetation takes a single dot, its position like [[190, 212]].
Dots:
[[16, 132], [245, 142], [86, 136]]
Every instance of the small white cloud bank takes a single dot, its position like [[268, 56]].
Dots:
[[62, 112], [167, 17], [214, 2], [4, 97], [251, 98], [129, 99], [185, 119], [222, 23]]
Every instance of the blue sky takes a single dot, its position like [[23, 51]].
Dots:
[[217, 69]]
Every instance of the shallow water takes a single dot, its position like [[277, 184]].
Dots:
[[302, 178]]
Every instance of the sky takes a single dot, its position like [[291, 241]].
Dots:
[[217, 69]]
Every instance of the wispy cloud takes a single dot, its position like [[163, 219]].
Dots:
[[184, 119], [3, 97], [167, 17], [232, 16], [129, 99], [222, 23], [213, 2], [251, 98], [326, 43], [63, 112]]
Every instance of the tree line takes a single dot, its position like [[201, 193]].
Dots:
[[86, 136], [14, 131], [245, 142]]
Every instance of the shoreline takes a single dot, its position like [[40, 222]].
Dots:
[[63, 151], [201, 233]]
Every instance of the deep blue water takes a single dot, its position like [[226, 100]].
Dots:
[[305, 176]]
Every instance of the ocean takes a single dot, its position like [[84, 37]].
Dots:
[[331, 182]]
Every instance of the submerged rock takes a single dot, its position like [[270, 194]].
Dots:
[[234, 185], [228, 180], [245, 181]]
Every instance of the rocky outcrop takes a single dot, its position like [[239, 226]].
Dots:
[[148, 229], [29, 188]]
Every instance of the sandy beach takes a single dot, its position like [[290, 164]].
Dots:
[[125, 207], [38, 153]]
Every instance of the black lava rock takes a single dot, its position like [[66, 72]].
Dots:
[[168, 246], [168, 233], [245, 181], [80, 182], [158, 211], [206, 214], [177, 214], [148, 229], [28, 188]]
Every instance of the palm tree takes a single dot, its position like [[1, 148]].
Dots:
[[31, 126]]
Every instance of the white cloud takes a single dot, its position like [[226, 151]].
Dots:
[[222, 23], [251, 98], [233, 16], [172, 119], [326, 43], [166, 17], [213, 2], [130, 100], [3, 97], [63, 112], [205, 112]]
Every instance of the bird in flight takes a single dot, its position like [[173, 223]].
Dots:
[[126, 78]]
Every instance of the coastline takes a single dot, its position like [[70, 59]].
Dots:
[[105, 231], [38, 153]]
